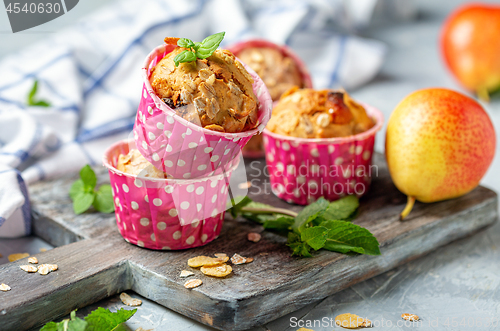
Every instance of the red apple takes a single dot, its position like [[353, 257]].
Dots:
[[470, 44]]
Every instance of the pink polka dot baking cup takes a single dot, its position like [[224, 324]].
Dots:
[[302, 170], [179, 147], [167, 214]]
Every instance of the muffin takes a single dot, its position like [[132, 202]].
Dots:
[[134, 163], [279, 68], [319, 143], [309, 113], [278, 71], [215, 93], [198, 111]]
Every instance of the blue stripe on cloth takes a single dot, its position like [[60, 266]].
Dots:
[[91, 161], [98, 80], [26, 208], [334, 77], [20, 154], [2, 220], [36, 72], [106, 129], [41, 172]]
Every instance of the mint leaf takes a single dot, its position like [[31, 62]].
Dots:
[[298, 248], [31, 97], [344, 236], [186, 43], [82, 202], [342, 209], [237, 203], [314, 236], [104, 320], [76, 188], [51, 326], [72, 324], [103, 200], [88, 177], [209, 45], [184, 56], [280, 223], [309, 213]]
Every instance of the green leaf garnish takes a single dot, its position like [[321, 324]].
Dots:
[[198, 50], [186, 43], [83, 193], [209, 45], [184, 56], [103, 320], [72, 324], [31, 101], [322, 224]]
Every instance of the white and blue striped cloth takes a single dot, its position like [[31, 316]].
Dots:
[[91, 76]]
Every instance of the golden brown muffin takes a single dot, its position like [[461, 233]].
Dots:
[[279, 72], [215, 93], [309, 113], [135, 164]]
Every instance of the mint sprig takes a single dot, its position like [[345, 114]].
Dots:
[[100, 319], [31, 99], [320, 225], [84, 194], [199, 50]]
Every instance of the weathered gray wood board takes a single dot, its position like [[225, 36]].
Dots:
[[95, 262]]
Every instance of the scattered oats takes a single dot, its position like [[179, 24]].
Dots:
[[264, 253], [410, 317], [221, 270], [238, 259], [192, 283], [33, 260], [28, 268], [17, 256], [253, 236], [221, 255], [245, 185], [141, 329], [43, 249], [44, 269], [129, 301], [304, 329], [366, 323], [350, 321], [4, 287], [53, 267], [186, 273], [200, 261]]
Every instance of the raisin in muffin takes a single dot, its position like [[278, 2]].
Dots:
[[215, 93], [310, 113]]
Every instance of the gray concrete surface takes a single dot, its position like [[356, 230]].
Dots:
[[454, 288]]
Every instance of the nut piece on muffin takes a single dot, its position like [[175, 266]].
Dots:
[[134, 163], [310, 113], [215, 93], [278, 71]]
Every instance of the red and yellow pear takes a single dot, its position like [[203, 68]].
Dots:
[[439, 144]]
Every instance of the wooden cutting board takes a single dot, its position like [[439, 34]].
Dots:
[[95, 262]]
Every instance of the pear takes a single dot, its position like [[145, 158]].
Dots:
[[439, 144]]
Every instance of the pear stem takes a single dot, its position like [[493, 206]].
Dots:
[[483, 94], [408, 208]]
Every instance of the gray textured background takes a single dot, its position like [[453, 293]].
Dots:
[[456, 284]]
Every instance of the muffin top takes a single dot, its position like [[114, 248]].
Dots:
[[279, 72], [135, 164], [310, 113], [215, 93]]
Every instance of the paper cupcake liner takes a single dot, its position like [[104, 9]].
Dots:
[[302, 170], [179, 147], [166, 214], [255, 151]]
